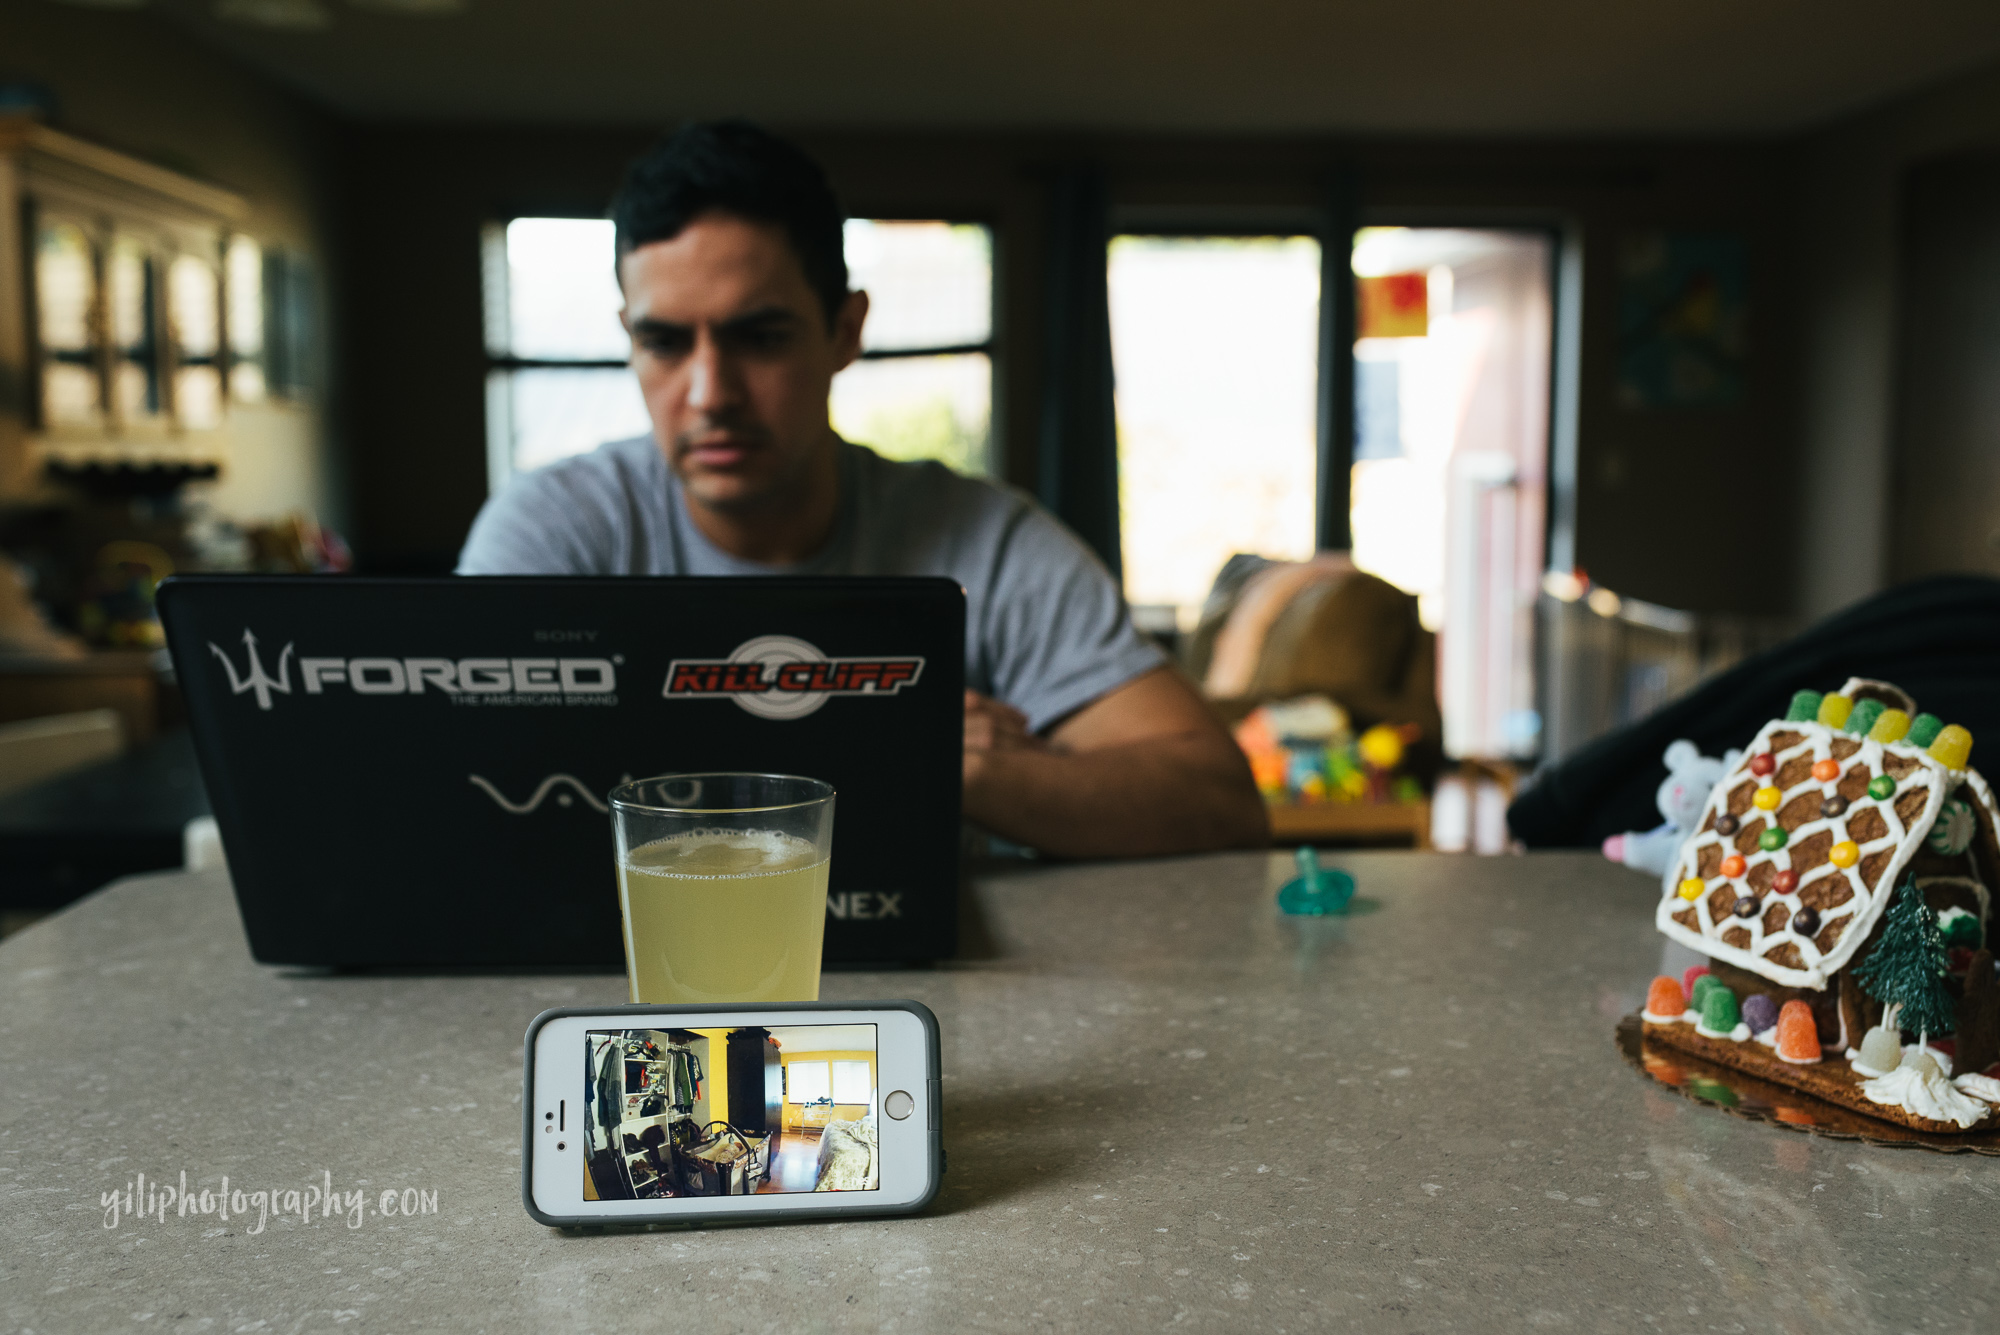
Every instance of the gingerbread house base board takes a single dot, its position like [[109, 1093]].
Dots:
[[1831, 1080]]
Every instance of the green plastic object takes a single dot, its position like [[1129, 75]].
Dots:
[[1864, 716], [1316, 891], [1805, 707], [1924, 729]]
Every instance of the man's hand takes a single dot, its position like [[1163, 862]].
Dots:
[[1141, 771]]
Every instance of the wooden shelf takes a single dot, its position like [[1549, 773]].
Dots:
[[1407, 823]]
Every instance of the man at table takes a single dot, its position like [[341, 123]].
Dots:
[[1079, 739]]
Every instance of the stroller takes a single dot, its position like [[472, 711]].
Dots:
[[723, 1162]]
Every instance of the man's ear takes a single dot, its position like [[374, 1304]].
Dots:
[[847, 324]]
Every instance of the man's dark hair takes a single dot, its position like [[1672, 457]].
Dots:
[[738, 168]]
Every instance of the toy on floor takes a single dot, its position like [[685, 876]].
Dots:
[[1690, 775], [1305, 751]]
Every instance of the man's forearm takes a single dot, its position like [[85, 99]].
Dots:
[[1158, 796]]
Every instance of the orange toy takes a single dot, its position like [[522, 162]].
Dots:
[[1798, 1036], [1665, 998]]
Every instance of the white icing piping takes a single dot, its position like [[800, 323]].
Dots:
[[1926, 1094], [1863, 907]]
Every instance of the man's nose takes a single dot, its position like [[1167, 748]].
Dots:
[[712, 383]]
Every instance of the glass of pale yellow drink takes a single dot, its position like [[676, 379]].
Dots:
[[722, 879]]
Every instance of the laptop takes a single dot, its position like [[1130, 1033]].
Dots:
[[413, 772]]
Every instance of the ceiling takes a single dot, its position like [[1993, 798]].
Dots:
[[1518, 67]]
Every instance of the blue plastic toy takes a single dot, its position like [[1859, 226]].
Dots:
[[1318, 890]]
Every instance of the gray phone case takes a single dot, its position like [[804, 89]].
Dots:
[[936, 1156]]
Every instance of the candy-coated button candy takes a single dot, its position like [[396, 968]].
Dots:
[[1924, 729], [1952, 748], [1829, 807], [1890, 727], [1746, 906], [1805, 707], [1881, 787], [1772, 839], [1767, 798], [1726, 824], [1733, 865], [1834, 709], [1785, 881], [1692, 887], [1806, 922], [1826, 771], [1845, 853], [1665, 997], [1762, 763], [1863, 718]]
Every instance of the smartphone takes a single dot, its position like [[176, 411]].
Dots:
[[687, 1114]]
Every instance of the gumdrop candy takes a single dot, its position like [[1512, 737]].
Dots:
[[1691, 888], [1890, 727], [1826, 771], [1834, 709], [1760, 1013], [1691, 975], [1881, 787], [1952, 747], [1665, 997], [1703, 986], [1881, 1048], [1767, 798], [1719, 1014], [1798, 1035], [1922, 1063], [1733, 865], [1924, 729], [1762, 763], [1844, 854], [1863, 717], [1772, 839], [1805, 707]]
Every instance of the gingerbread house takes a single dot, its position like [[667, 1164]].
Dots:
[[1787, 885]]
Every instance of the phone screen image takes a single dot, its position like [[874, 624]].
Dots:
[[743, 1111]]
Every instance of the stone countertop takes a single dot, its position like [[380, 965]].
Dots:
[[1164, 1106]]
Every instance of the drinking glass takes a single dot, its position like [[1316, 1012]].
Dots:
[[722, 882]]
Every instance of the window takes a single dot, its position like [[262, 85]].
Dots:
[[558, 382], [923, 388], [852, 1083], [1215, 340], [806, 1082], [142, 327]]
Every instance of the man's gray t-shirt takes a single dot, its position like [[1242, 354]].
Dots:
[[1046, 629]]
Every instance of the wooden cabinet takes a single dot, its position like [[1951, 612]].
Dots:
[[131, 310]]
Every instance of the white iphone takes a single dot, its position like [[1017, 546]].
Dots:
[[685, 1114]]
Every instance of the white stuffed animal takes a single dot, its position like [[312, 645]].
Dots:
[[1691, 776]]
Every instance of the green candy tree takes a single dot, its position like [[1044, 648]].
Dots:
[[1906, 969]]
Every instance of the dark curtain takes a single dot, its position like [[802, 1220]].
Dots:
[[1336, 363], [1938, 639], [1078, 475]]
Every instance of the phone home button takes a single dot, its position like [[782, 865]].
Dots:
[[899, 1105]]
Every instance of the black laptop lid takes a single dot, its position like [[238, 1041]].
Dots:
[[413, 771]]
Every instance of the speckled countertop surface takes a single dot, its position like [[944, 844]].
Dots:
[[1164, 1106]]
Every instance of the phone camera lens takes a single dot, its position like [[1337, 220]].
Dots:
[[548, 1117], [561, 1146]]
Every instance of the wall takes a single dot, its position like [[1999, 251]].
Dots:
[[415, 198], [131, 81], [1849, 227]]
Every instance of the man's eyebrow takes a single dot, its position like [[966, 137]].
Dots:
[[763, 315]]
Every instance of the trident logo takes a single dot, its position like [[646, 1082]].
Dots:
[[254, 679]]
